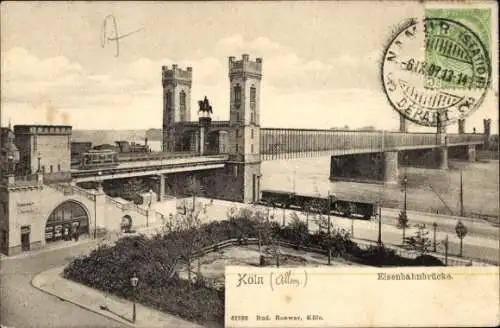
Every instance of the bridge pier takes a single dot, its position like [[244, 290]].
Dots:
[[391, 172], [161, 191], [379, 168], [443, 158], [465, 152]]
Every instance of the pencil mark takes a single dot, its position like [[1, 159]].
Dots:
[[105, 39]]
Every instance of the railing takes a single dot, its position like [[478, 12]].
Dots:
[[274, 142], [148, 167], [132, 157], [469, 137], [85, 193]]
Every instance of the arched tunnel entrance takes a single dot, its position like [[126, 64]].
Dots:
[[66, 220]]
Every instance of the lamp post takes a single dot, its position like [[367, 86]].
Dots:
[[98, 189], [379, 241], [329, 231], [434, 225], [404, 214], [39, 161], [150, 203], [134, 281]]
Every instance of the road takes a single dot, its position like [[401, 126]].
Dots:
[[481, 243], [24, 306], [476, 227], [474, 247]]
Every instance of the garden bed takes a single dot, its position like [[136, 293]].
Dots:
[[158, 262], [212, 265]]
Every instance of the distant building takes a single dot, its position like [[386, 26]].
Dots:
[[45, 149], [9, 154]]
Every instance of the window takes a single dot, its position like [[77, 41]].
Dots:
[[237, 116], [237, 147], [237, 133], [182, 106], [251, 133], [58, 167], [235, 171], [43, 168], [51, 170], [237, 95], [251, 147], [253, 97]]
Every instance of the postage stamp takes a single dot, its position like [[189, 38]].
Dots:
[[438, 70]]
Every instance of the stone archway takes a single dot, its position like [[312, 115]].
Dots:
[[68, 219]]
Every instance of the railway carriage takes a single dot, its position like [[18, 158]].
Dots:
[[311, 203], [98, 159]]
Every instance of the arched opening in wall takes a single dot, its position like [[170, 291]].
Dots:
[[68, 220], [126, 224]]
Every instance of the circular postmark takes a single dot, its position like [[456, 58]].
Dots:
[[436, 72]]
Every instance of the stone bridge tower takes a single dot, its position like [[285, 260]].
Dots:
[[244, 120], [176, 102]]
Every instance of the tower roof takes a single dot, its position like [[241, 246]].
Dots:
[[245, 65]]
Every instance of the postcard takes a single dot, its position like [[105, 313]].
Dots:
[[249, 164]]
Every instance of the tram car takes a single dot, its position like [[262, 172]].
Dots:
[[93, 159], [344, 207]]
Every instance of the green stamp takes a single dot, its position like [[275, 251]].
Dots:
[[438, 70], [458, 44]]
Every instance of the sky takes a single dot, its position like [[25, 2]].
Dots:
[[321, 61]]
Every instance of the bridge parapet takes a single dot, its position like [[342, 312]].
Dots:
[[274, 142], [465, 138]]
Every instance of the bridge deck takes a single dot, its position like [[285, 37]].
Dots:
[[275, 143]]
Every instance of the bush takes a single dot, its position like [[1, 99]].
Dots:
[[154, 260]]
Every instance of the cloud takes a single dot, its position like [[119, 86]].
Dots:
[[296, 91]]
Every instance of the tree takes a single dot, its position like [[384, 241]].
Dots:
[[134, 187], [298, 229], [403, 223], [185, 230], [420, 242], [263, 227], [461, 231]]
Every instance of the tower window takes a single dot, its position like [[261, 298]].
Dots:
[[237, 94], [182, 106], [253, 97]]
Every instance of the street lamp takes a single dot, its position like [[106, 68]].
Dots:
[[134, 281], [329, 230], [150, 203], [403, 215], [95, 203], [434, 225], [39, 161], [379, 209]]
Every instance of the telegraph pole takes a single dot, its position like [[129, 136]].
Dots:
[[329, 233], [379, 241], [461, 196]]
